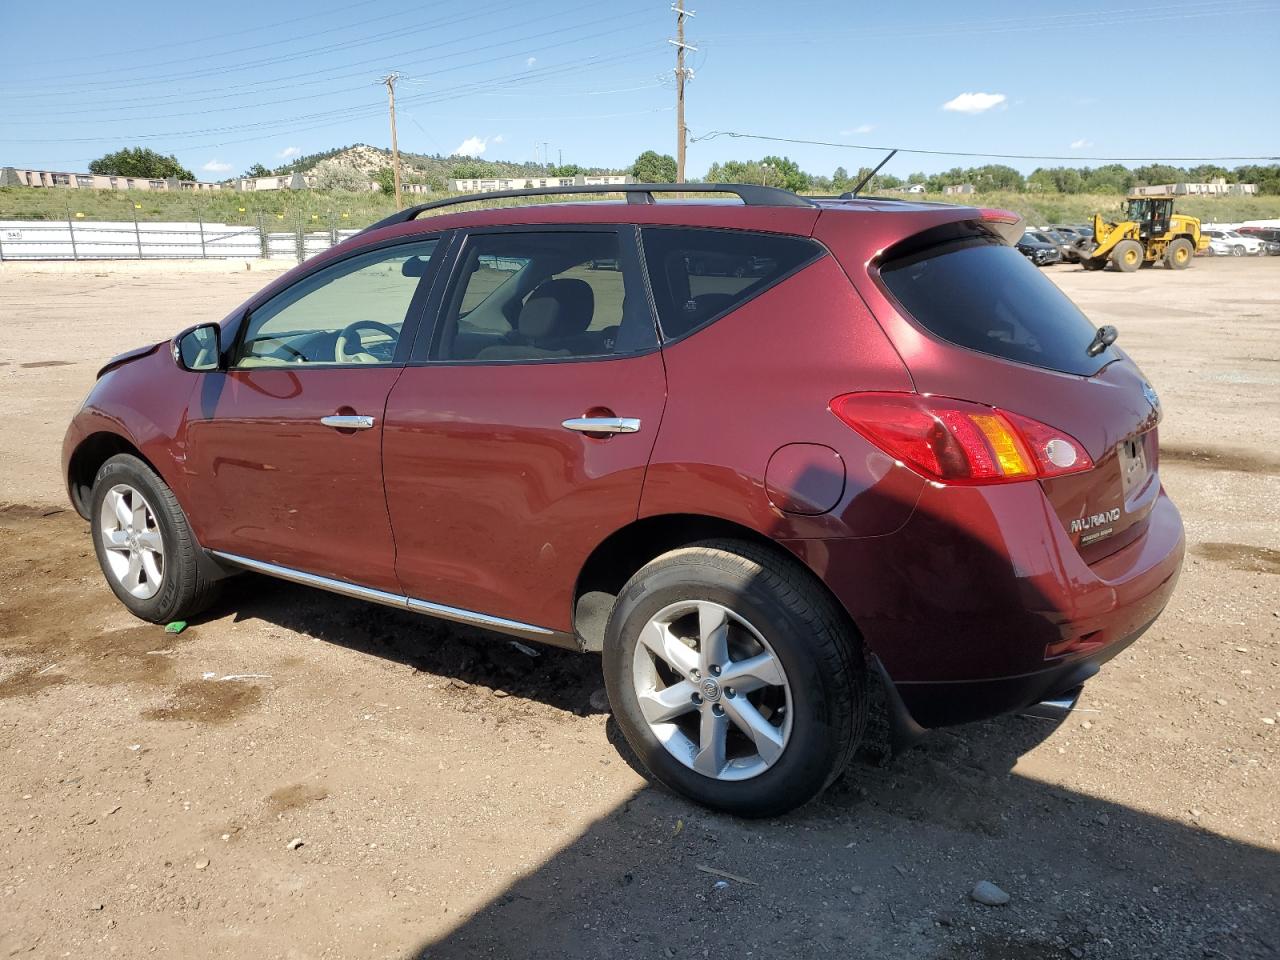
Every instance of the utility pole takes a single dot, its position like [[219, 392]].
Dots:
[[390, 80], [546, 156], [682, 74]]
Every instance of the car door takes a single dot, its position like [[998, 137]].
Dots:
[[285, 443], [518, 438]]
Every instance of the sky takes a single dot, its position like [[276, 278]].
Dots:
[[592, 83]]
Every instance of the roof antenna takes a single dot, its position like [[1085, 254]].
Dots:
[[853, 194]]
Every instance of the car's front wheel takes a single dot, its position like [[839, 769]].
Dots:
[[734, 678], [144, 544]]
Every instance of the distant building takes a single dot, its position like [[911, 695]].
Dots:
[[14, 177], [1217, 187], [287, 181], [955, 188], [912, 188], [489, 184]]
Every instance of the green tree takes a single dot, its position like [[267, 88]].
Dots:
[[468, 171], [340, 177], [566, 170], [786, 172], [140, 162], [257, 170], [840, 180], [1158, 173], [385, 178], [1109, 178], [1266, 178], [654, 167]]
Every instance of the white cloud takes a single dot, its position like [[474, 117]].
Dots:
[[216, 166], [497, 139], [470, 147], [288, 152], [974, 102], [531, 61], [1081, 144], [861, 128]]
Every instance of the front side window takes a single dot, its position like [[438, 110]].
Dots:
[[700, 275], [351, 312], [529, 295]]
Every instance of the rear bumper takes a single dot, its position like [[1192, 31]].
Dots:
[[981, 605]]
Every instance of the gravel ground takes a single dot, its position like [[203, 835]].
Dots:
[[455, 797]]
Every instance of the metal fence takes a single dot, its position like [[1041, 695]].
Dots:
[[195, 240]]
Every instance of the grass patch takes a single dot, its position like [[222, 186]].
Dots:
[[286, 208]]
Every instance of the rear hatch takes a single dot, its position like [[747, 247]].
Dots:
[[999, 333]]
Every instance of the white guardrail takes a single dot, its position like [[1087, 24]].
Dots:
[[127, 240]]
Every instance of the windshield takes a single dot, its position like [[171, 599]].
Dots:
[[988, 297]]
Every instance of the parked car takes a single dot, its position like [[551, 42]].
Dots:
[[1268, 235], [1238, 244], [1039, 249], [1222, 247], [1065, 240], [898, 455]]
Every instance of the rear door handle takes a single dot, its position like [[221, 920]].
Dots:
[[603, 424], [341, 422]]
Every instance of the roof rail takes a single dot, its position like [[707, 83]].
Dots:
[[751, 194]]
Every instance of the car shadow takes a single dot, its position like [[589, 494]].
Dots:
[[881, 865], [463, 655]]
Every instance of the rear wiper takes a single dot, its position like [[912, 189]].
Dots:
[[1104, 338]]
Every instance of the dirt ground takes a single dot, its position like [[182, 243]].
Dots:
[[455, 797]]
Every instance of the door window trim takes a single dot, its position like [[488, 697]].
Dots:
[[630, 258], [414, 313]]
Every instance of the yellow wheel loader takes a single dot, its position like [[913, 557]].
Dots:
[[1149, 232]]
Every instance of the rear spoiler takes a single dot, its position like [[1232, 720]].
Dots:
[[1008, 224]]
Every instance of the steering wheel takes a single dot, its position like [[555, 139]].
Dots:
[[350, 333]]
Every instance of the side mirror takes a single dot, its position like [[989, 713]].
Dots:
[[199, 349]]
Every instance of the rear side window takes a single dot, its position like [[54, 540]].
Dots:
[[698, 276], [988, 297]]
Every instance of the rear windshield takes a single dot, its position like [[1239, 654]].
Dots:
[[988, 297]]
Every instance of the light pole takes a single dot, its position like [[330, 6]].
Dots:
[[765, 170]]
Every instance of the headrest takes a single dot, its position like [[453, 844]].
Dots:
[[557, 308]]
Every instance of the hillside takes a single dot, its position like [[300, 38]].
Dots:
[[431, 169]]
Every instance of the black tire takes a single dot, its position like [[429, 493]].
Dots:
[[186, 586], [1090, 264], [1127, 256], [823, 666], [1177, 256]]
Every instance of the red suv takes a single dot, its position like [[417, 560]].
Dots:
[[756, 453]]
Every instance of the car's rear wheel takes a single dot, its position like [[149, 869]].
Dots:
[[1237, 250], [1179, 253], [144, 544], [1127, 256], [734, 678]]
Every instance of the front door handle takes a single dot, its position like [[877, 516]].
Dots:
[[603, 424], [342, 422]]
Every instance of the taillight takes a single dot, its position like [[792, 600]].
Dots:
[[955, 441]]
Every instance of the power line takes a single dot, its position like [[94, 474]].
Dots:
[[185, 43], [200, 74], [716, 134], [354, 110]]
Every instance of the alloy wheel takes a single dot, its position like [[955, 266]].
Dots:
[[712, 690], [131, 541]]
